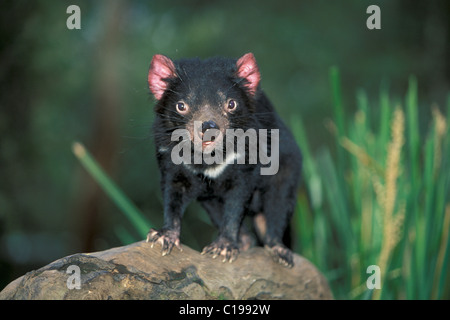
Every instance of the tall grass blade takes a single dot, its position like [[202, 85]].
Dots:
[[115, 194]]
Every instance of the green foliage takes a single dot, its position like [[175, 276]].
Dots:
[[384, 201]]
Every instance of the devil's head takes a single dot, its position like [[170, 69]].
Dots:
[[205, 97]]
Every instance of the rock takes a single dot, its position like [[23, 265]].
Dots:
[[138, 271]]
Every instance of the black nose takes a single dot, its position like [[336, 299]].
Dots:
[[209, 125]]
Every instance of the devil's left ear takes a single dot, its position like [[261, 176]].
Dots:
[[248, 70]]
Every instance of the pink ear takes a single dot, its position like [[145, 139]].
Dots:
[[161, 68], [248, 69]]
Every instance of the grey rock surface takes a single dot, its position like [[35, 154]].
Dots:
[[138, 271]]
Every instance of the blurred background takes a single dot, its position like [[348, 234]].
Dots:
[[58, 86]]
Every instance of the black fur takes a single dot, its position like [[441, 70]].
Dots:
[[239, 190]]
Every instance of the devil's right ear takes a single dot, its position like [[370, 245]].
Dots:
[[161, 69]]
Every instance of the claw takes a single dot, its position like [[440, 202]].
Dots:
[[224, 248], [166, 238], [282, 255]]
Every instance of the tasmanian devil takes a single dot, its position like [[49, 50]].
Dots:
[[215, 134]]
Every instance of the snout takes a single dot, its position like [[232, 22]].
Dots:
[[209, 125], [209, 133]]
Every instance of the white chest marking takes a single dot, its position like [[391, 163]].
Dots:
[[217, 170]]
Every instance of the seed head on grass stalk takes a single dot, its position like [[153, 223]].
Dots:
[[361, 155], [392, 223], [441, 128]]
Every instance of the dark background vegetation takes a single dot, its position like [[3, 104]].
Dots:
[[58, 86]]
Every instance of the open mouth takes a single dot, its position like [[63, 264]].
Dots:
[[209, 140], [207, 143]]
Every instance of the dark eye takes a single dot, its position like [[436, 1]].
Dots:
[[181, 108], [232, 104]]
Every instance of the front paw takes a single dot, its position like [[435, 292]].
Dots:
[[166, 238], [222, 247], [282, 255]]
